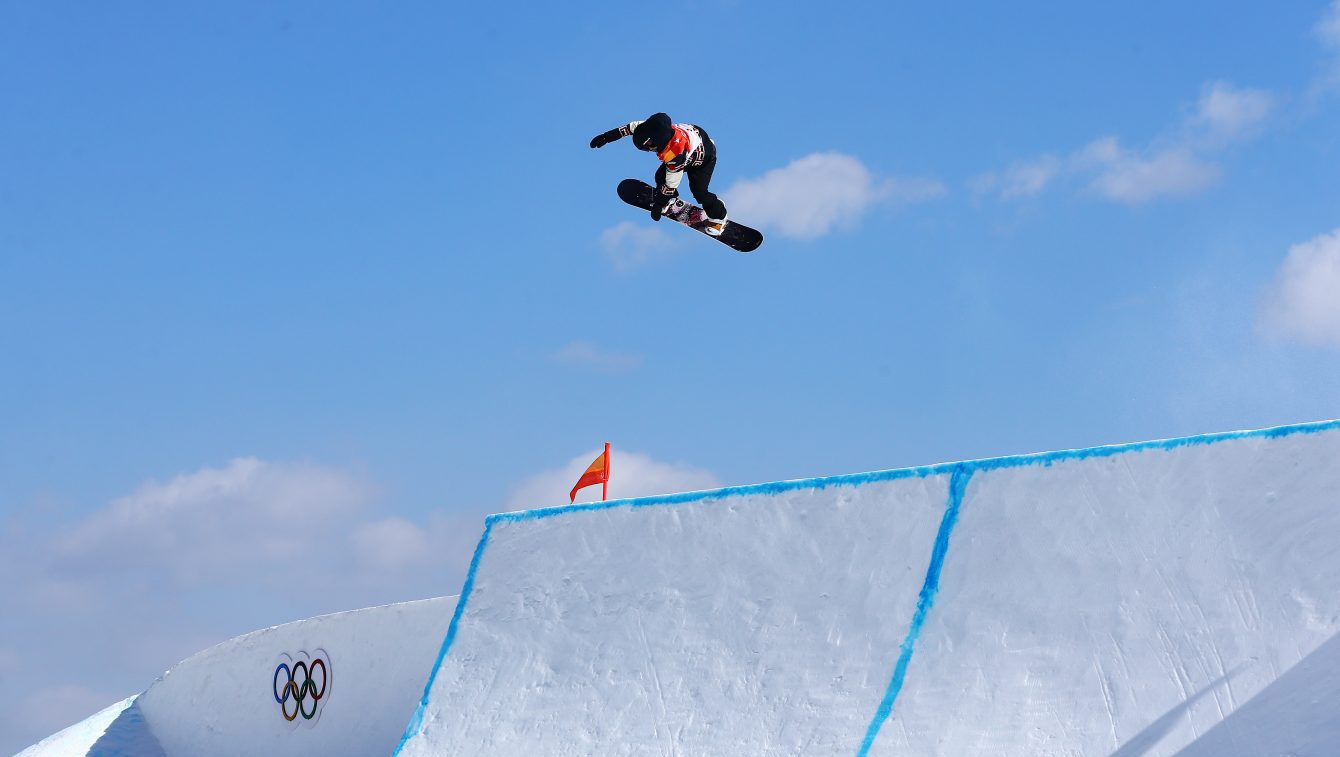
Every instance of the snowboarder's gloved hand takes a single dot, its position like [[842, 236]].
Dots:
[[600, 140], [661, 202]]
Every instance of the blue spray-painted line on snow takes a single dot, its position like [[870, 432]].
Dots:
[[970, 467], [958, 485], [416, 722]]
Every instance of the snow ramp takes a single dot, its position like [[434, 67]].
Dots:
[[1178, 597], [340, 684]]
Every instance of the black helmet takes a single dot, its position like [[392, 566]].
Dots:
[[654, 133]]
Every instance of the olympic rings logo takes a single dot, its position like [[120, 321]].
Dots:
[[301, 686]]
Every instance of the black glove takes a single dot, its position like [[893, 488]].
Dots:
[[600, 140], [660, 202]]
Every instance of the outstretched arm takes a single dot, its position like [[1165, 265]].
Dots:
[[614, 135]]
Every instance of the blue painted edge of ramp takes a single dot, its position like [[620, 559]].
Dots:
[[958, 486], [964, 469], [416, 722]]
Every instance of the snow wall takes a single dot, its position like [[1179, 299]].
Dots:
[[348, 681], [1169, 598]]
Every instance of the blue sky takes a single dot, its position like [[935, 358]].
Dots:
[[270, 265]]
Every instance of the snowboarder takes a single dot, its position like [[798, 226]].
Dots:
[[682, 148]]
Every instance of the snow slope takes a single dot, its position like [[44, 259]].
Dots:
[[80, 737], [1175, 597], [223, 700]]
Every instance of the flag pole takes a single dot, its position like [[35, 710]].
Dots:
[[605, 485]]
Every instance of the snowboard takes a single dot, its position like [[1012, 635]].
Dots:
[[737, 236]]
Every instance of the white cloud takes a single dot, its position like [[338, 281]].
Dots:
[[391, 543], [1027, 178], [632, 245], [984, 183], [250, 516], [810, 196], [1175, 165], [1126, 176], [1226, 113], [586, 354], [632, 474], [1303, 302], [264, 525], [905, 191], [1327, 30]]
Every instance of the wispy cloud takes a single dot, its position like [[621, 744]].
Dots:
[[588, 355], [912, 189], [1176, 165], [249, 515], [1226, 114], [633, 474], [1302, 303], [1130, 177], [1021, 179], [632, 245], [1328, 28], [811, 196], [1327, 31]]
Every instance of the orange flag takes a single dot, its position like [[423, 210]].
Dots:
[[597, 473]]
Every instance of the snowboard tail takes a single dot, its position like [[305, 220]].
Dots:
[[737, 236]]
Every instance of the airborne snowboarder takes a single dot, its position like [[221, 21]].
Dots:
[[682, 148]]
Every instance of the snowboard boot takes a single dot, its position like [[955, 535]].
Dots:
[[713, 227]]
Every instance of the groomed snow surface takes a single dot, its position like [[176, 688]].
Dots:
[[1166, 598]]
